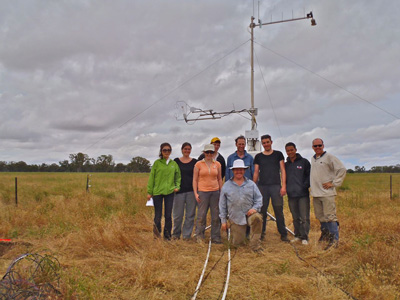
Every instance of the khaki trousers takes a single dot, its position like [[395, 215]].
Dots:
[[325, 209], [238, 232]]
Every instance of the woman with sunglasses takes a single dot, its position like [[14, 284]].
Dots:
[[207, 184], [164, 180], [184, 200]]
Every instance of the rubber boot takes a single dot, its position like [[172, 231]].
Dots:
[[333, 229], [324, 232], [332, 242]]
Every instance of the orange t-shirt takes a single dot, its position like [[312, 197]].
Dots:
[[208, 177]]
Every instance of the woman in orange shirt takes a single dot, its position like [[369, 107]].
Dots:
[[207, 184]]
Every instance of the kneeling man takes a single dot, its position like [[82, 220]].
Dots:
[[239, 205]]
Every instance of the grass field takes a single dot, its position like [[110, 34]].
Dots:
[[104, 243]]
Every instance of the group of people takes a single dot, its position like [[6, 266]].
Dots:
[[241, 202]]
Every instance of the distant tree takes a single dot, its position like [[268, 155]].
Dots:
[[105, 163], [3, 166], [139, 165], [64, 166], [90, 165], [33, 168], [376, 169], [20, 166], [120, 167], [77, 161], [359, 169], [350, 171], [386, 169], [43, 168], [53, 168]]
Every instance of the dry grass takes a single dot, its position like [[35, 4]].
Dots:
[[104, 243]]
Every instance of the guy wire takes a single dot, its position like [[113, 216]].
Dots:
[[269, 97], [167, 94], [330, 81]]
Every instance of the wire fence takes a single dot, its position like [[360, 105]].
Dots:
[[373, 184]]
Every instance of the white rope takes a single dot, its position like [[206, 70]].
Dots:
[[202, 273], [228, 273], [273, 218], [208, 227]]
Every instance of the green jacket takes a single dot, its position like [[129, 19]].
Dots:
[[164, 178]]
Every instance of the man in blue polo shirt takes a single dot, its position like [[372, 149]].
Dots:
[[242, 154]]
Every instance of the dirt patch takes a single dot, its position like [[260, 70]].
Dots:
[[5, 247]]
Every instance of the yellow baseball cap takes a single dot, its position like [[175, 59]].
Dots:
[[215, 140]]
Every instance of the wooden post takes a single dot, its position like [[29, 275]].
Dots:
[[16, 191], [87, 184]]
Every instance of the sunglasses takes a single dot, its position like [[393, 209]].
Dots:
[[209, 152], [166, 150], [317, 146]]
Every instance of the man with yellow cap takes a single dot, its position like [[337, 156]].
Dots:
[[217, 156]]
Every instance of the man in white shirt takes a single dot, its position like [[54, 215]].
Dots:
[[327, 173]]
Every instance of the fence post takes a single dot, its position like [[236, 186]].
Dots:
[[16, 191], [87, 183]]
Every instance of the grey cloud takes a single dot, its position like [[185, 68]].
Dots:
[[104, 77]]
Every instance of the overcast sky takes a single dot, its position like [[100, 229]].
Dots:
[[108, 77]]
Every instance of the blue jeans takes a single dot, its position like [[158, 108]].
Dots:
[[300, 209], [168, 203], [273, 192]]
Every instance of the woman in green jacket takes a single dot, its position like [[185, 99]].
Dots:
[[165, 179]]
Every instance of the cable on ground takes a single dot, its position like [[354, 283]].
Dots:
[[31, 276], [323, 274]]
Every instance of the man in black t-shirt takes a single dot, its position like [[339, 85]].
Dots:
[[270, 175]]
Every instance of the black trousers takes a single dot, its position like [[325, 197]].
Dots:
[[158, 206], [273, 192]]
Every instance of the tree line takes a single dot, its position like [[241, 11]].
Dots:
[[81, 162], [376, 169]]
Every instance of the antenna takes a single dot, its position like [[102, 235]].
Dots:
[[205, 114], [253, 144]]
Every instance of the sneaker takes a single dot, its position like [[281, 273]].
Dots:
[[304, 242], [216, 241], [296, 239], [285, 239]]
